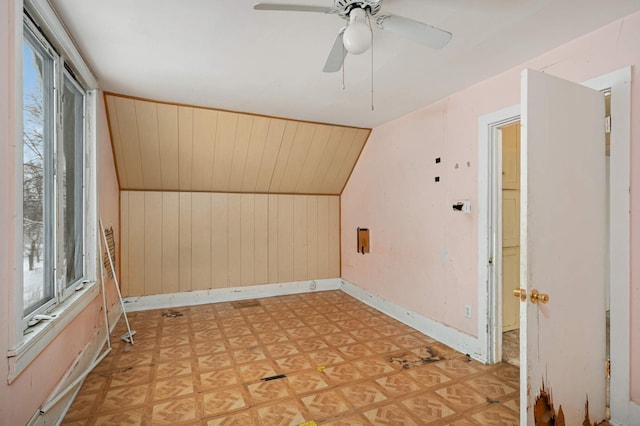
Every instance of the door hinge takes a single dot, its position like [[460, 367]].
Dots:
[[607, 124], [608, 368], [491, 260]]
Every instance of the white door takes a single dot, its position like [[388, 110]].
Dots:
[[563, 246]]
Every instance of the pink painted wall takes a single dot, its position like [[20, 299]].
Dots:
[[108, 194], [423, 255], [20, 400]]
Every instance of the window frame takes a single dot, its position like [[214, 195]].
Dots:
[[54, 180], [65, 289], [25, 347], [49, 123]]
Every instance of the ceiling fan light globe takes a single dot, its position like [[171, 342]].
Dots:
[[357, 38]]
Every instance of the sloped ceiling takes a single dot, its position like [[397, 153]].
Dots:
[[168, 147], [223, 54]]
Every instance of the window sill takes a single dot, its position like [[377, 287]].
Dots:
[[42, 334]]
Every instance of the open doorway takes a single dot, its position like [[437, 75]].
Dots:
[[509, 214], [506, 217], [489, 251], [509, 193]]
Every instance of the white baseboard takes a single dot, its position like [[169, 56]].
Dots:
[[449, 336], [200, 297]]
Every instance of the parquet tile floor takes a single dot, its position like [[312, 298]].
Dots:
[[344, 363]]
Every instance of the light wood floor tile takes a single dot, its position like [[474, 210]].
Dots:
[[287, 360]]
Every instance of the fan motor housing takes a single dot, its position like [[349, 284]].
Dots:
[[344, 7]]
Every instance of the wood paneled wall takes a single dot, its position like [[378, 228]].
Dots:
[[183, 241], [165, 147]]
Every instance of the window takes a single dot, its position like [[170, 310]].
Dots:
[[53, 152], [56, 186]]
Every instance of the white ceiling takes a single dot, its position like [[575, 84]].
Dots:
[[223, 54]]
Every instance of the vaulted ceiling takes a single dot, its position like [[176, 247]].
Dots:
[[168, 147], [225, 55]]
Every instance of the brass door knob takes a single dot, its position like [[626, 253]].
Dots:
[[521, 293], [539, 297]]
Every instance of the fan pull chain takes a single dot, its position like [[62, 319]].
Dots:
[[371, 29], [343, 64], [372, 109], [344, 56]]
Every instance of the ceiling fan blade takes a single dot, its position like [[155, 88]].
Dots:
[[292, 7], [422, 33], [337, 55]]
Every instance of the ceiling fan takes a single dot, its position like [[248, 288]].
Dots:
[[355, 37]]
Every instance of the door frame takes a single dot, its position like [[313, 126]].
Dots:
[[489, 250], [489, 229]]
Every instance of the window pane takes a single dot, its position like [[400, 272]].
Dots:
[[37, 175], [72, 182]]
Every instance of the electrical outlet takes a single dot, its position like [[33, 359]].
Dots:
[[467, 311]]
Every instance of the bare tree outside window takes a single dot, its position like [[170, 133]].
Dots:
[[53, 176], [35, 187], [33, 180]]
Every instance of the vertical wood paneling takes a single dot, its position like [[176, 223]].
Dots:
[[147, 120], [297, 156], [323, 237], [200, 241], [270, 154], [179, 242], [240, 149], [261, 237], [312, 237], [152, 242], [170, 242], [312, 161], [235, 238], [204, 132], [136, 244], [225, 135], [170, 147], [255, 151], [247, 239], [285, 238], [168, 143], [346, 140], [317, 184], [348, 163], [334, 237], [185, 152], [286, 145], [274, 255], [185, 241], [129, 139], [116, 142], [124, 244], [220, 240], [300, 238]]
